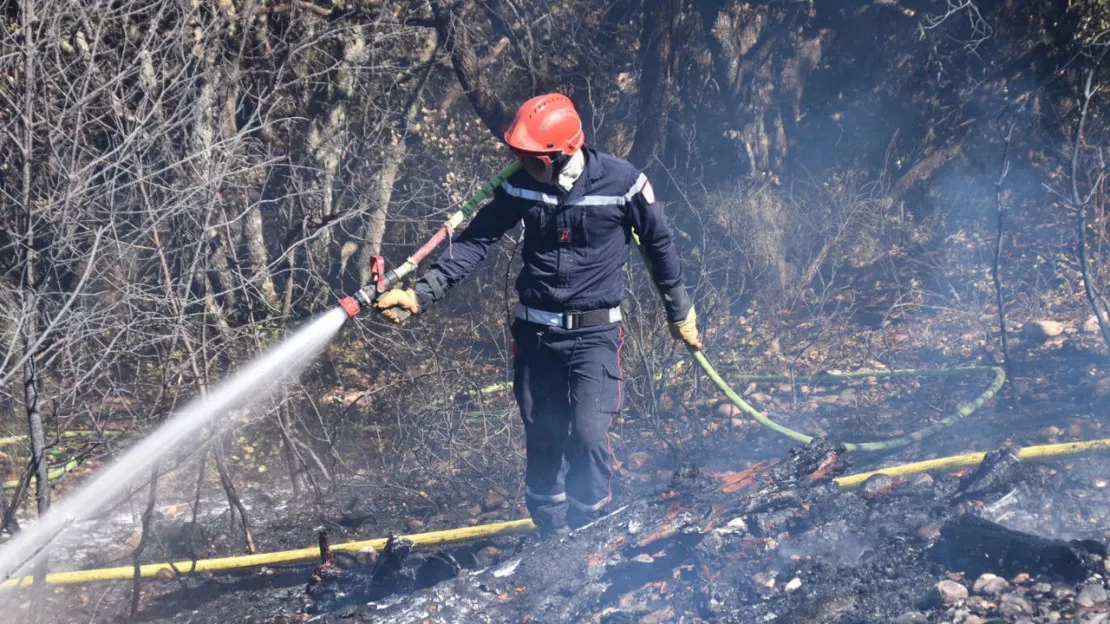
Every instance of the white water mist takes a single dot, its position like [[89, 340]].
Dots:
[[287, 358]]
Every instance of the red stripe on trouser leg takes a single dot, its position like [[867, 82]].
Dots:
[[620, 399]]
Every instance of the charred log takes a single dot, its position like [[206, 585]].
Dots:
[[977, 546]]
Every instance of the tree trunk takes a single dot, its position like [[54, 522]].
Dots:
[[391, 168], [39, 461], [656, 79], [453, 34], [260, 258]]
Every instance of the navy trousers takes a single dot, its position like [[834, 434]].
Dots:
[[568, 386]]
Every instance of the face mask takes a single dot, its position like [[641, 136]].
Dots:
[[570, 172], [563, 176]]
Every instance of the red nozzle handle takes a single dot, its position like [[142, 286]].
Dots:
[[350, 306]]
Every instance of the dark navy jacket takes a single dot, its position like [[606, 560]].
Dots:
[[575, 245]]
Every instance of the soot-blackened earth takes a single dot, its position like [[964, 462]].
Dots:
[[778, 542]]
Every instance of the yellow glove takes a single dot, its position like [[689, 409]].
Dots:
[[397, 305], [686, 330]]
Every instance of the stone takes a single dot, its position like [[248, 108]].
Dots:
[[728, 410], [1091, 595], [848, 397], [912, 617], [1101, 387], [415, 525], [979, 604], [990, 585], [492, 501], [1013, 605], [1041, 330], [922, 480], [1062, 592], [951, 592], [368, 555], [1090, 326], [1051, 433], [638, 460]]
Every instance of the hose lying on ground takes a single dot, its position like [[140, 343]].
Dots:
[[499, 529], [963, 412]]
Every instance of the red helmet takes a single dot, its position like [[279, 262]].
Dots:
[[546, 124]]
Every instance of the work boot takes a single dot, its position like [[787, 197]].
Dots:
[[577, 518], [554, 533]]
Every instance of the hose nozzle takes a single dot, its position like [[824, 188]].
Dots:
[[354, 304]]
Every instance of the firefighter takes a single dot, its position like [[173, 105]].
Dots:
[[579, 207]]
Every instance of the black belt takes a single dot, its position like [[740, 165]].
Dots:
[[568, 320]]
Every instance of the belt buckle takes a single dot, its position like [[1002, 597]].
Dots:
[[571, 320]]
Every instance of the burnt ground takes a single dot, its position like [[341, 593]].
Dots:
[[772, 543], [775, 542], [766, 543]]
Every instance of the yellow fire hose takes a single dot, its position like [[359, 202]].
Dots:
[[300, 555], [65, 435], [67, 467], [499, 529], [1044, 451]]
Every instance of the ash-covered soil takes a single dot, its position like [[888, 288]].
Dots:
[[775, 543]]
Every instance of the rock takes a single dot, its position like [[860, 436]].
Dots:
[[928, 531], [973, 619], [415, 525], [1013, 605], [922, 480], [367, 556], [1095, 618], [848, 397], [951, 592], [728, 410], [979, 604], [492, 501], [1021, 579], [638, 460], [658, 617], [1042, 587], [1090, 326], [913, 617], [1101, 387], [1091, 595], [990, 585], [1051, 433], [1062, 592], [1041, 331], [794, 583]]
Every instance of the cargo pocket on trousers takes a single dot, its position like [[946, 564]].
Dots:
[[613, 395]]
